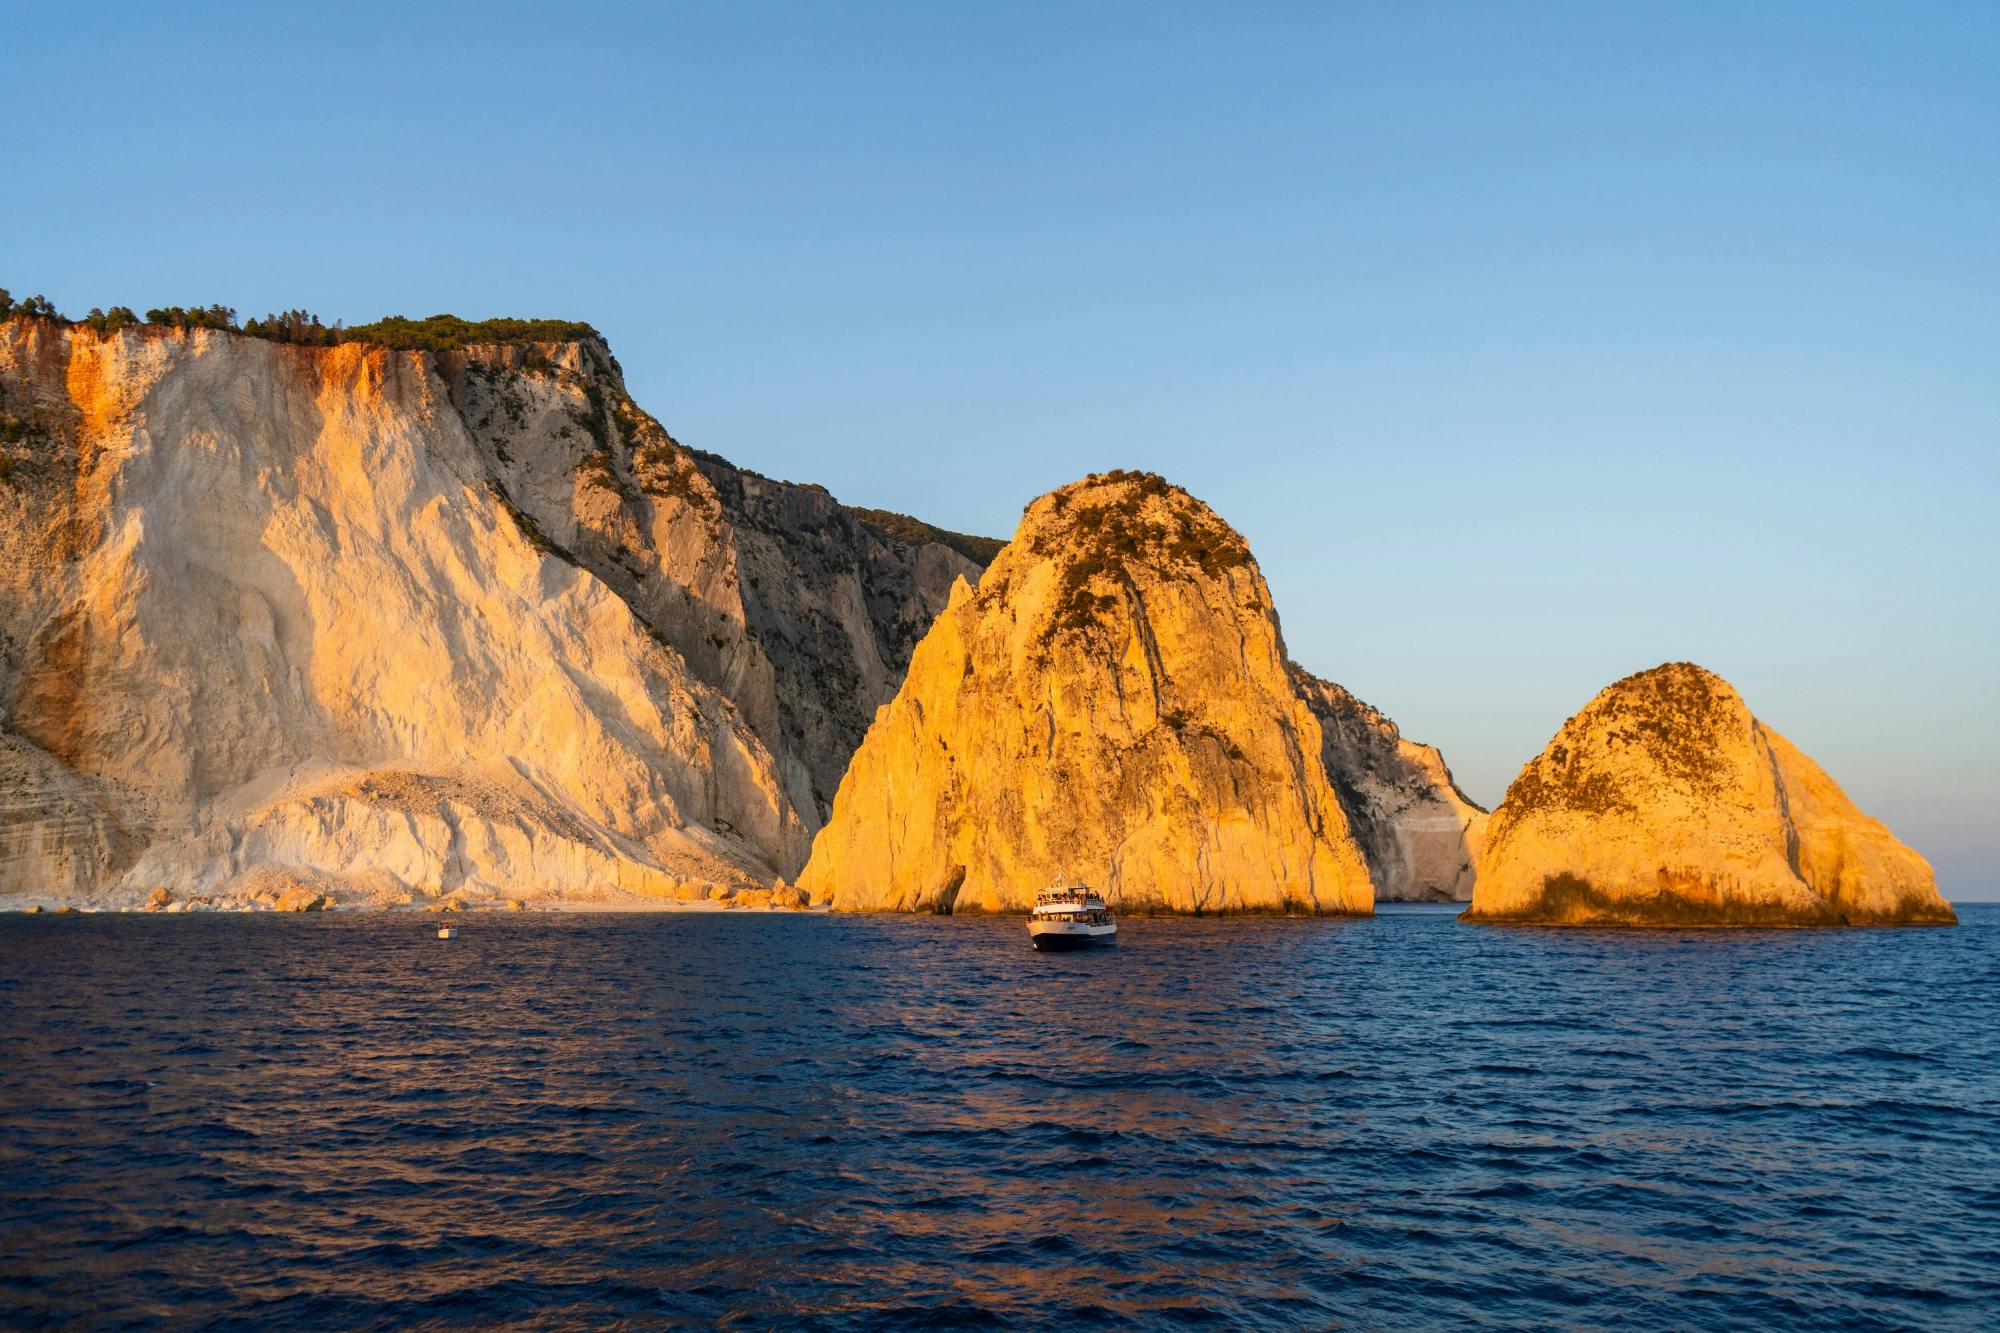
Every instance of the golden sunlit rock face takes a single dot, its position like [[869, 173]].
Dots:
[[1666, 803], [1113, 703], [392, 625]]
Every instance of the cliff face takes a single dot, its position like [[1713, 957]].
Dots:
[[1111, 703], [1419, 832], [785, 601], [1665, 802], [393, 623]]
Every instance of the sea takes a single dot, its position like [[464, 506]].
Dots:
[[779, 1120]]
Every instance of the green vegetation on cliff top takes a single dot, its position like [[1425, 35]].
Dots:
[[1677, 713], [437, 333], [979, 550], [449, 333], [1111, 522]]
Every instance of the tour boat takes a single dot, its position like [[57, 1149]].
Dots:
[[1071, 916], [447, 932]]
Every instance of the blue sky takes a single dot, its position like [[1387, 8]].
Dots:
[[1530, 345]]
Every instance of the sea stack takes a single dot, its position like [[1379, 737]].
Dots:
[[1112, 703], [1666, 803]]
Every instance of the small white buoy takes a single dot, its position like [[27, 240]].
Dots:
[[447, 932]]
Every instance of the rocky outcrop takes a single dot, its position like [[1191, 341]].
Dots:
[[1112, 702], [401, 624], [1666, 803], [1419, 832]]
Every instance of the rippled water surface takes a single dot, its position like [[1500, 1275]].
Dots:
[[793, 1120]]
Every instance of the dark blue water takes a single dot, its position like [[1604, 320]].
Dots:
[[876, 1121]]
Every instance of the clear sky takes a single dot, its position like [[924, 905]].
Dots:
[[1530, 345]]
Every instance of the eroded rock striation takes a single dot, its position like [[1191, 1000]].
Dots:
[[389, 625], [1419, 832], [1112, 702], [802, 611], [1666, 803]]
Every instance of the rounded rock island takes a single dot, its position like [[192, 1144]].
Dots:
[[1665, 802]]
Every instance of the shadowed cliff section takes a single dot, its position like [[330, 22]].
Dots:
[[396, 623], [1666, 803], [1113, 702], [1421, 833], [776, 594]]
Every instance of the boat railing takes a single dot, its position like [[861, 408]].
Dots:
[[1076, 893]]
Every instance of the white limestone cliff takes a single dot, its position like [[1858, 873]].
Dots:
[[402, 625]]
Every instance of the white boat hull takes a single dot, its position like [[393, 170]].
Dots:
[[1053, 936]]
